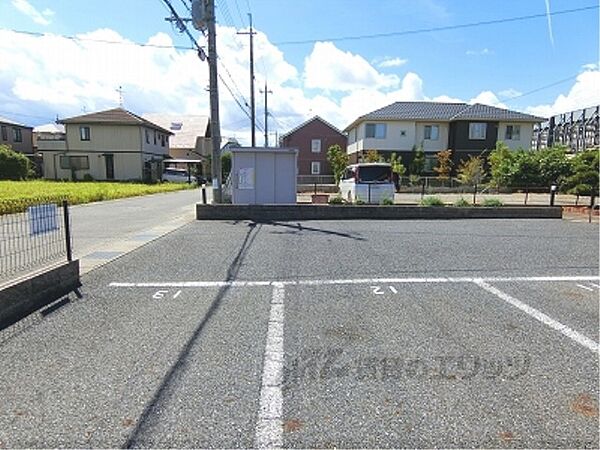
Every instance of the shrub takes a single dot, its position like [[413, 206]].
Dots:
[[461, 203], [88, 177], [338, 159], [337, 200], [387, 201], [493, 202], [432, 201], [14, 165], [359, 201]]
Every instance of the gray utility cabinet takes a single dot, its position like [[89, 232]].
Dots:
[[263, 176]]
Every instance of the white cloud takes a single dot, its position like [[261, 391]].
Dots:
[[51, 75], [584, 93], [591, 66], [487, 98], [392, 62], [29, 10], [509, 93], [330, 68], [482, 52]]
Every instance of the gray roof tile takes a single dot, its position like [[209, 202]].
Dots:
[[444, 112]]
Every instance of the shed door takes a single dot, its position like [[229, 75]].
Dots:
[[285, 178]]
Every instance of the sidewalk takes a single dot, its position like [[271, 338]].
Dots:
[[104, 231]]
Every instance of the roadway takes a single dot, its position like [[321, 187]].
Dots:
[[479, 333]]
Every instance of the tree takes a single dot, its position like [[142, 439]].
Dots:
[[444, 164], [397, 166], [526, 170], [418, 162], [225, 165], [373, 156], [471, 171], [584, 174], [398, 170], [553, 165], [338, 160], [502, 163], [14, 165]]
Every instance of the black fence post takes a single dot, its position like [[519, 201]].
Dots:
[[423, 189], [369, 201], [204, 194], [475, 195], [65, 205]]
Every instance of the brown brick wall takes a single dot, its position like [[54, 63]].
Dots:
[[301, 139]]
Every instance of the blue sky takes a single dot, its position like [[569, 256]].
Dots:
[[338, 80]]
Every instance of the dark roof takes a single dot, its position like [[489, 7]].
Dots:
[[12, 122], [444, 112], [116, 116], [303, 124]]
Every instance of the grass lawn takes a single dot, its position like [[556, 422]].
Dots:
[[15, 196]]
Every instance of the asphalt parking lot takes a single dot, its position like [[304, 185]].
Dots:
[[479, 333]]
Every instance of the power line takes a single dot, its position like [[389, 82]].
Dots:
[[187, 6], [541, 88], [444, 28], [101, 41], [237, 7]]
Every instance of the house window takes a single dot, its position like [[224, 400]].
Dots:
[[155, 135], [162, 140], [513, 133], [147, 136], [315, 146], [477, 131], [402, 133], [4, 133], [375, 130], [430, 163], [17, 135], [315, 168], [84, 133], [74, 162], [432, 132]]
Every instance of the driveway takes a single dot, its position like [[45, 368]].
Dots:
[[319, 334]]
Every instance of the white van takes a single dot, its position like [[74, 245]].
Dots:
[[368, 182]]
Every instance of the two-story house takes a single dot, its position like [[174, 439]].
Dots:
[[463, 128], [17, 136], [108, 145], [312, 139]]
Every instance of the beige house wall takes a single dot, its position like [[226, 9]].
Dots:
[[525, 139], [441, 143], [126, 143], [26, 144]]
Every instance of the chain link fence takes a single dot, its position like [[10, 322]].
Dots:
[[34, 234]]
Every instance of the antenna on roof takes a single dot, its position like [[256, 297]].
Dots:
[[120, 91]]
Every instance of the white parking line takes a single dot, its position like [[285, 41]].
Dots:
[[269, 428], [538, 315], [584, 287], [218, 284]]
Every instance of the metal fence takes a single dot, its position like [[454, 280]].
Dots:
[[33, 235]]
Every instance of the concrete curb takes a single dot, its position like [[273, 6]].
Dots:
[[370, 212], [27, 295]]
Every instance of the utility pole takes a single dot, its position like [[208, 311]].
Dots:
[[215, 127], [266, 92], [252, 103]]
